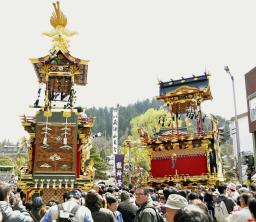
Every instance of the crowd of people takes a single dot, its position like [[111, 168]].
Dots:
[[224, 203]]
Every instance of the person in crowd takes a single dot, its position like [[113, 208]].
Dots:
[[173, 204], [252, 207], [230, 203], [28, 205], [191, 213], [192, 196], [167, 192], [200, 204], [208, 199], [244, 214], [232, 192], [82, 214], [96, 187], [43, 211], [1, 217], [146, 212], [37, 204], [95, 203], [11, 206], [127, 208], [112, 205], [152, 194], [53, 202]]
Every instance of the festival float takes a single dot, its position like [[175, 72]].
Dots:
[[185, 150], [59, 143]]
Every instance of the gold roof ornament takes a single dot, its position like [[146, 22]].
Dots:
[[59, 33]]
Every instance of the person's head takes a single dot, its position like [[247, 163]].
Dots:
[[96, 187], [192, 196], [93, 201], [52, 202], [244, 199], [37, 202], [111, 203], [222, 188], [231, 187], [124, 196], [28, 205], [5, 190], [191, 213], [200, 204], [141, 195], [252, 207], [208, 197], [76, 194], [167, 192], [174, 203]]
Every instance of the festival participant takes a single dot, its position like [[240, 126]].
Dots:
[[18, 212], [252, 207], [244, 214], [146, 212], [232, 192], [229, 203], [95, 202], [37, 204], [82, 213], [191, 213], [112, 205], [127, 208], [173, 204]]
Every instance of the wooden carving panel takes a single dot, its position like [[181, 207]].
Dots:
[[53, 155]]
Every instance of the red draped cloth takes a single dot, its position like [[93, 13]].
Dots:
[[191, 165]]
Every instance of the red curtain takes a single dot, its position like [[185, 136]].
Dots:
[[192, 165]]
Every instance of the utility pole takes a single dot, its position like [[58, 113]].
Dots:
[[239, 165]]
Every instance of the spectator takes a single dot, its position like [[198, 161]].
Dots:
[[192, 196], [37, 203], [127, 208], [230, 203], [146, 212], [232, 192], [43, 211], [208, 199], [244, 214], [112, 205], [173, 204], [72, 202], [252, 207], [1, 217], [191, 213], [19, 212], [94, 202]]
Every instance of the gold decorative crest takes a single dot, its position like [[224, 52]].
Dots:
[[59, 33]]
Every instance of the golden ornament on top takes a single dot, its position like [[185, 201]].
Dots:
[[59, 33]]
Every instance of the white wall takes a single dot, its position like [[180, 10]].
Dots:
[[246, 138]]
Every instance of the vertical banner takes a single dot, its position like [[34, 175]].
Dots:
[[115, 130], [119, 168]]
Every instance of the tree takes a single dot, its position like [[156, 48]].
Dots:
[[99, 164], [6, 161]]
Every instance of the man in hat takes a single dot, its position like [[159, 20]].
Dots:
[[173, 204], [71, 205]]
